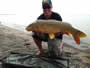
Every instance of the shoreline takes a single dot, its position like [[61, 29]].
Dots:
[[15, 40]]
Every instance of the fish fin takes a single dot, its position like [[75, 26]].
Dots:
[[82, 34], [67, 33], [51, 36], [78, 35], [77, 39]]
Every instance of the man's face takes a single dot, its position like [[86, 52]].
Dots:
[[47, 12]]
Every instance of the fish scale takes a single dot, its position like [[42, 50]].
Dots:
[[53, 26]]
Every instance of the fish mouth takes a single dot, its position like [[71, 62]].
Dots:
[[28, 29]]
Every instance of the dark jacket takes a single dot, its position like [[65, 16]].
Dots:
[[54, 16]]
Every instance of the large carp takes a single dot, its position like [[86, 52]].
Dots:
[[52, 27]]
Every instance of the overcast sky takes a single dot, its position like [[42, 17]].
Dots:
[[26, 11]]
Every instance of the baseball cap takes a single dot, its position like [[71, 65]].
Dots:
[[46, 4]]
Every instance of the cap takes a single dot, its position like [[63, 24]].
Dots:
[[46, 4]]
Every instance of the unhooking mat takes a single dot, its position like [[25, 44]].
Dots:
[[33, 61]]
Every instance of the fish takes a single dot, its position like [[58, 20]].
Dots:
[[52, 27]]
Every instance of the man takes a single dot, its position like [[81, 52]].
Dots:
[[47, 14]]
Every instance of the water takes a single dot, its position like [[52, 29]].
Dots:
[[81, 22]]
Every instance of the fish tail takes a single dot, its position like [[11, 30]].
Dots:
[[77, 36], [81, 34], [77, 39]]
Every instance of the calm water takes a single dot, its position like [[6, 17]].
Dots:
[[81, 22]]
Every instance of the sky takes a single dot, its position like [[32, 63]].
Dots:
[[24, 12]]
